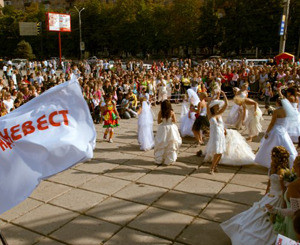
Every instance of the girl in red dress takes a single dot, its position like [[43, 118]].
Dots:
[[110, 117]]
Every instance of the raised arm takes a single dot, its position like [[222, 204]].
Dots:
[[226, 103], [280, 93]]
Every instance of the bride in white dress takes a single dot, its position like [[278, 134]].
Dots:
[[276, 134], [235, 116], [145, 127], [188, 114], [216, 145], [167, 139], [253, 116], [293, 124], [253, 227]]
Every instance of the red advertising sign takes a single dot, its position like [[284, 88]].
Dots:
[[59, 22]]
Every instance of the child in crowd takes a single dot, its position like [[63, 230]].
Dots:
[[111, 116]]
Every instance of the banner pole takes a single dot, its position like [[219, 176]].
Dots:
[[2, 239], [59, 44]]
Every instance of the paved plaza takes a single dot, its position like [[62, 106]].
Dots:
[[122, 197]]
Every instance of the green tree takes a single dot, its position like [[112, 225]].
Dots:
[[24, 50]]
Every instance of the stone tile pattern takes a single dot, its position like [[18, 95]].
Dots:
[[122, 197]]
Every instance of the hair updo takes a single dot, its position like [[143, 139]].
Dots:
[[280, 158]]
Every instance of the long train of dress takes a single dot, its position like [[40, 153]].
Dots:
[[253, 227]]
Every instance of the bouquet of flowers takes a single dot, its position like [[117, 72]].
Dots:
[[289, 175]]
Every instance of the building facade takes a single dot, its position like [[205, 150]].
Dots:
[[57, 4]]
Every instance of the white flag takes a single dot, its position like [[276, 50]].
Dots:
[[45, 136]]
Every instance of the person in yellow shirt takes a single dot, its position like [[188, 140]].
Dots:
[[186, 82], [133, 100]]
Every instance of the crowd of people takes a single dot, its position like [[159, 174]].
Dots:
[[124, 91], [129, 82]]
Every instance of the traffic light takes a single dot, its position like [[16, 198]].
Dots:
[[39, 27]]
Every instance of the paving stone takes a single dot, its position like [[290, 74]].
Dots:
[[179, 168], [182, 202], [161, 179], [250, 179], [141, 193], [133, 237], [127, 172], [204, 232], [72, 177], [104, 184], [189, 158], [45, 218], [220, 210], [224, 175], [97, 167], [141, 162], [241, 194], [15, 235], [131, 148], [200, 186], [113, 157], [46, 191], [85, 230], [78, 200], [48, 241], [23, 208], [116, 210], [161, 222], [105, 147], [148, 153], [255, 169]]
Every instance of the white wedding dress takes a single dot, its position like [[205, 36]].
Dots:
[[253, 122], [253, 227], [278, 136], [217, 142], [234, 118], [167, 142], [293, 125], [145, 128], [186, 123], [238, 152]]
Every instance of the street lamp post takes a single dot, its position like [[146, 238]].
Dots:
[[80, 36]]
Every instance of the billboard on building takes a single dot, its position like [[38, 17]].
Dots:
[[59, 22], [28, 28]]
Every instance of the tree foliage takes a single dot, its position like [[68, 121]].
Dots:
[[152, 26], [24, 50]]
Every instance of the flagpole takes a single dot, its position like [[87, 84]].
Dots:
[[3, 240]]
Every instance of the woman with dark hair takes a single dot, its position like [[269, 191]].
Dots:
[[216, 145], [275, 135], [167, 139]]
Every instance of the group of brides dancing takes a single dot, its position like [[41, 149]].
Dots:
[[201, 117]]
